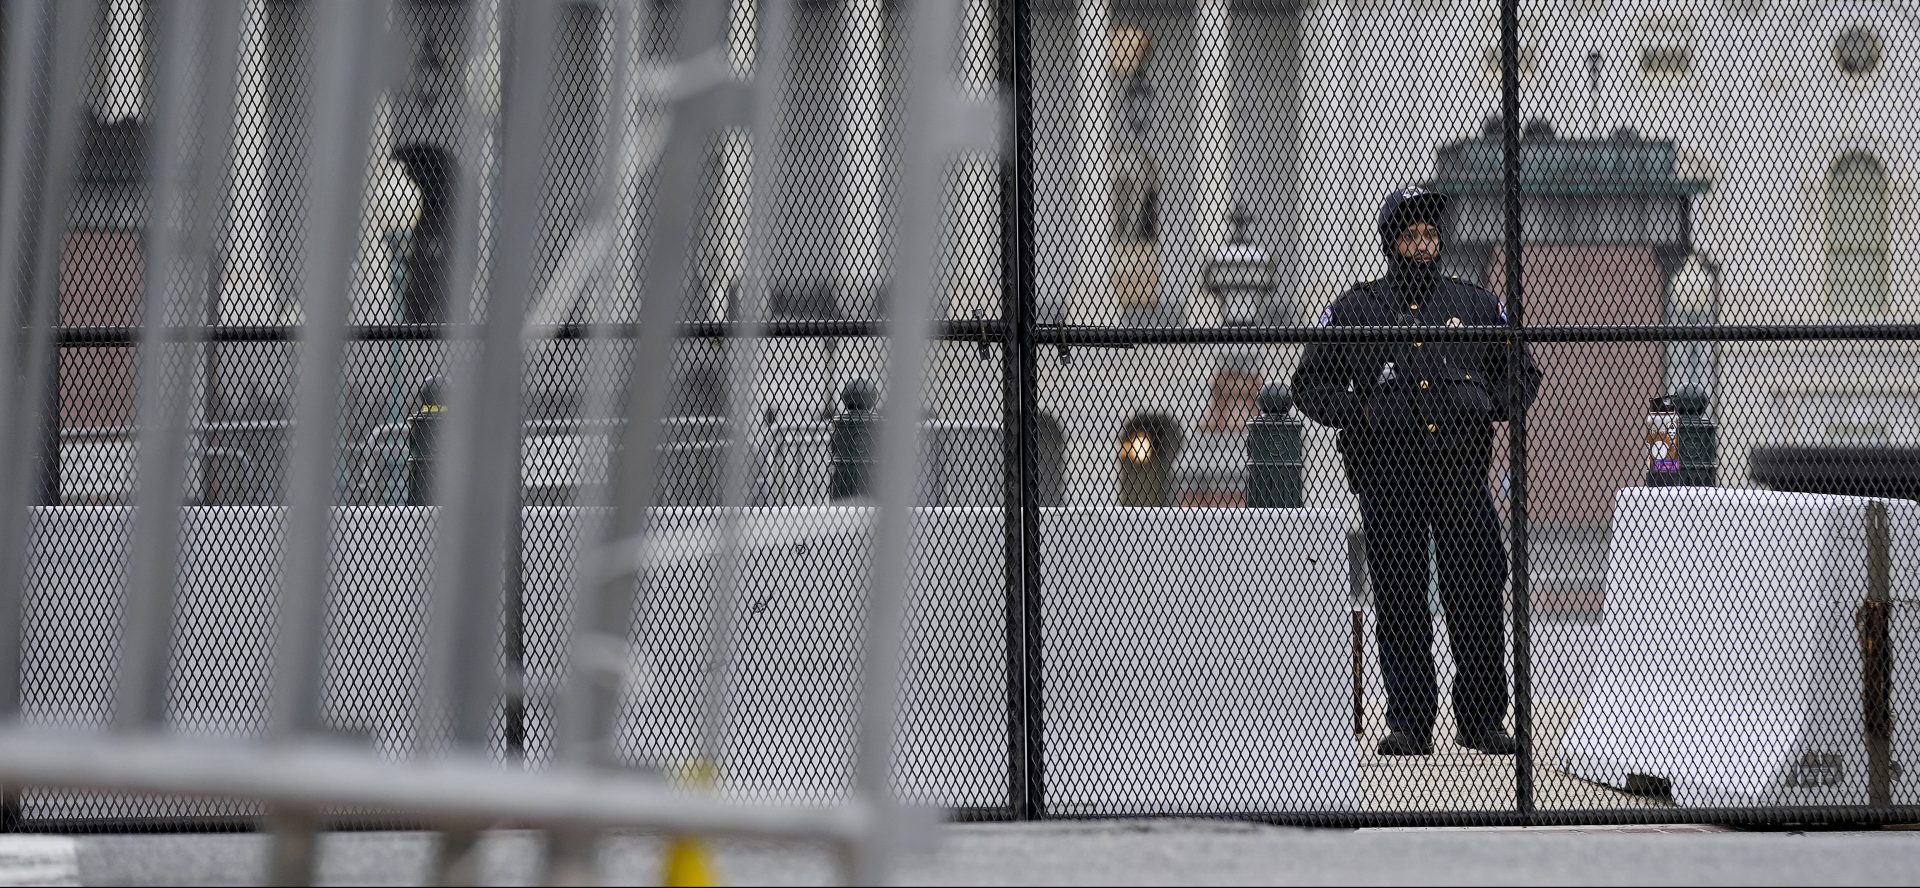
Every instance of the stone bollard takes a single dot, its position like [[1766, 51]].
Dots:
[[1699, 440], [850, 442], [1274, 452], [423, 430]]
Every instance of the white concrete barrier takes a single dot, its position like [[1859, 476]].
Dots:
[[1195, 660], [1729, 658], [1198, 660]]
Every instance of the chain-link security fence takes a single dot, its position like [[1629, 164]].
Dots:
[[1346, 412]]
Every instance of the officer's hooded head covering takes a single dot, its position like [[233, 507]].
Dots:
[[1406, 206], [1402, 208]]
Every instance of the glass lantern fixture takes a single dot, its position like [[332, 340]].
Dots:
[[1241, 275]]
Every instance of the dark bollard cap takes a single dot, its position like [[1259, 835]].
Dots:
[[1275, 398], [1692, 402], [432, 395], [860, 394]]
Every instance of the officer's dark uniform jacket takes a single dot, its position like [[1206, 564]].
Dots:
[[1393, 400]]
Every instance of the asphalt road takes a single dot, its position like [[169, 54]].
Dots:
[[1163, 852]]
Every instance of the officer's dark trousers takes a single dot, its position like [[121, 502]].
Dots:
[[1403, 502]]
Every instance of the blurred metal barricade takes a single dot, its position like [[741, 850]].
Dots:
[[431, 759]]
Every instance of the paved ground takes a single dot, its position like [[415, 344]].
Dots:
[[1167, 852], [1454, 778]]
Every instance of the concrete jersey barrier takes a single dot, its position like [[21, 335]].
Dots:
[[1196, 660]]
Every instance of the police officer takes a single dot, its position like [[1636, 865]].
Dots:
[[1416, 432]]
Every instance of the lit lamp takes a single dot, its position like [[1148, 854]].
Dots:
[[1148, 445], [1241, 275]]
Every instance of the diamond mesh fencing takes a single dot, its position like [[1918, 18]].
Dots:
[[1536, 571], [1343, 413]]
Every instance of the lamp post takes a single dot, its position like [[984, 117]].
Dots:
[[1694, 299], [1241, 275]]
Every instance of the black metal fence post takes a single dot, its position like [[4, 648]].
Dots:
[[850, 442], [1876, 658], [1019, 400], [514, 623], [1517, 428], [1274, 477], [1699, 440], [423, 431]]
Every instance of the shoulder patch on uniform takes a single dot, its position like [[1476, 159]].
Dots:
[[1326, 317]]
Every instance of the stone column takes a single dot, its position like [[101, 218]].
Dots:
[[1332, 216], [1329, 222], [723, 248], [269, 126], [1212, 142], [122, 68], [262, 247], [862, 199], [863, 196], [1092, 298], [976, 214], [1213, 116], [962, 386], [570, 178]]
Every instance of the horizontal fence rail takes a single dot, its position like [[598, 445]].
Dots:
[[991, 332]]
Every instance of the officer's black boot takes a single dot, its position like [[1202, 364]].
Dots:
[[1491, 742], [1404, 743]]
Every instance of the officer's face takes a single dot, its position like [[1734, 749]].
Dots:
[[1419, 242]]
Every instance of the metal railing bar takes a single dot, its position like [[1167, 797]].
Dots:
[[1090, 335], [600, 650], [64, 87], [470, 791], [34, 273], [482, 452], [747, 360], [571, 853], [342, 116], [46, 60], [481, 27], [22, 37], [1022, 569], [185, 180], [933, 104]]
